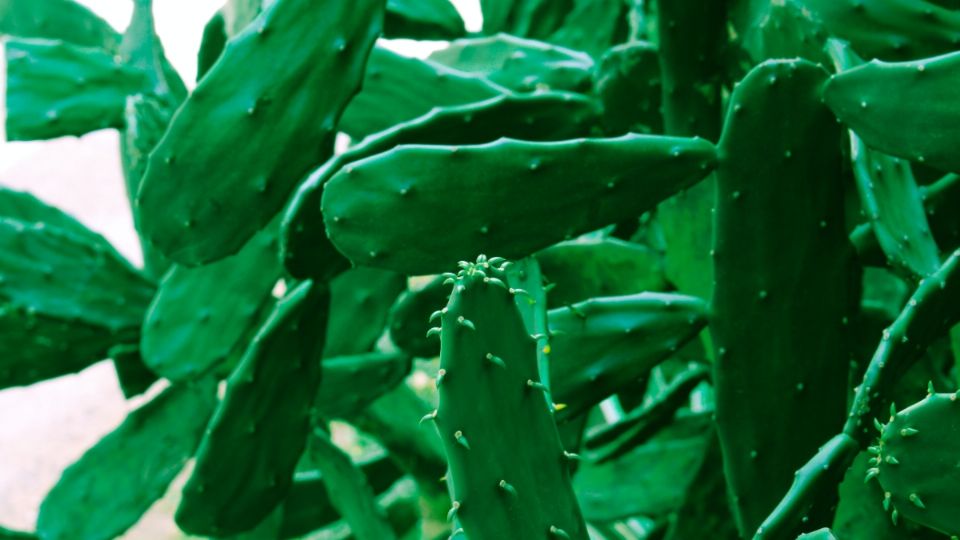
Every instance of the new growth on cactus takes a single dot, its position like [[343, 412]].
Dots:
[[726, 239]]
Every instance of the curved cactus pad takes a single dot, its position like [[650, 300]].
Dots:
[[446, 203], [239, 144]]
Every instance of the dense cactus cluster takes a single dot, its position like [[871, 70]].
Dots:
[[703, 247]]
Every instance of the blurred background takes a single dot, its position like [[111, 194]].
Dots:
[[47, 426]]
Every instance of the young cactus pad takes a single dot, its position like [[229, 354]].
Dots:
[[509, 475], [916, 463]]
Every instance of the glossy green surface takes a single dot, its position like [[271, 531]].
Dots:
[[780, 392], [200, 202], [540, 189]]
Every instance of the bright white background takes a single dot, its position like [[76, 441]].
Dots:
[[45, 427]]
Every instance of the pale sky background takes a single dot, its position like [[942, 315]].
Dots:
[[47, 426]]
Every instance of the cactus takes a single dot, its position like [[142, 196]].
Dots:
[[762, 299], [629, 175], [862, 98], [914, 465], [182, 200], [115, 482], [267, 403], [706, 316], [522, 65], [488, 363]]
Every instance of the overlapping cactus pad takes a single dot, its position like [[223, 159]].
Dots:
[[590, 270]]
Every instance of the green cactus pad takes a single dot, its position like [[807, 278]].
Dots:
[[212, 43], [582, 269], [52, 272], [200, 317], [246, 461], [916, 463], [917, 97], [409, 318], [888, 29], [627, 80], [397, 89], [929, 314], [360, 300], [889, 195], [523, 65], [422, 19], [780, 210], [308, 506], [508, 473], [678, 450], [600, 345], [781, 30], [350, 383], [610, 441], [593, 26], [354, 499], [104, 493], [56, 89], [63, 20], [305, 249], [133, 376], [201, 199], [546, 192]]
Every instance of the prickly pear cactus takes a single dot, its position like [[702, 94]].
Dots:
[[915, 462], [509, 475], [734, 238]]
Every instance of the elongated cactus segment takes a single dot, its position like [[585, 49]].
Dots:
[[308, 505], [779, 210], [917, 97], [305, 249], [200, 317], [593, 26], [600, 345], [582, 269], [360, 300], [354, 498], [888, 29], [104, 493], [397, 89], [56, 89], [508, 473], [915, 462], [197, 186], [545, 191], [523, 65], [350, 383], [889, 194], [422, 19], [246, 461], [628, 82], [63, 20]]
